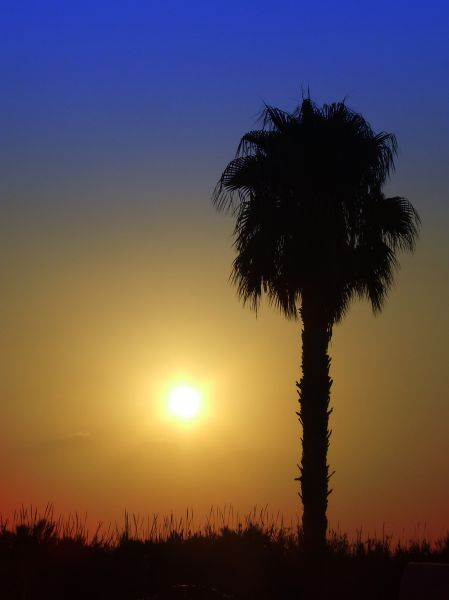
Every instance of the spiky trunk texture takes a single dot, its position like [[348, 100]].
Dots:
[[314, 394]]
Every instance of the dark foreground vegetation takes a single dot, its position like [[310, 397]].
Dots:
[[42, 557]]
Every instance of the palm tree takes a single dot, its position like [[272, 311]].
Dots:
[[314, 230]]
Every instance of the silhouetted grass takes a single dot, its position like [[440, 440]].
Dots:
[[254, 557]]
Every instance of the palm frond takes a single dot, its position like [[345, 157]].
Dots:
[[255, 141], [241, 175], [275, 119], [400, 222]]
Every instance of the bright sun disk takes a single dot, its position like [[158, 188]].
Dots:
[[184, 402]]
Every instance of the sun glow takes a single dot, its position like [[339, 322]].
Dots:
[[184, 402]]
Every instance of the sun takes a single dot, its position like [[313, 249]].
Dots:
[[184, 402]]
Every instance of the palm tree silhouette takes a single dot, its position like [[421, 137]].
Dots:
[[314, 230]]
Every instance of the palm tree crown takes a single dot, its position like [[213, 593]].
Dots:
[[306, 191]]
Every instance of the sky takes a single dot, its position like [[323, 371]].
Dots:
[[116, 120]]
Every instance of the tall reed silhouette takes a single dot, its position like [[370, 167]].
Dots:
[[313, 231]]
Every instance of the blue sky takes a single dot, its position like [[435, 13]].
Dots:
[[138, 87]]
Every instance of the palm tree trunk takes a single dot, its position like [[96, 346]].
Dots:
[[314, 392]]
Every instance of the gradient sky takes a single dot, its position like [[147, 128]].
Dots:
[[117, 119]]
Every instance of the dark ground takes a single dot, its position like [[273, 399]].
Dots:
[[41, 559]]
